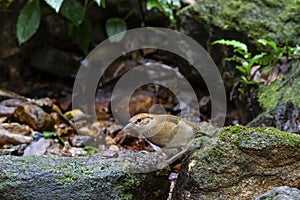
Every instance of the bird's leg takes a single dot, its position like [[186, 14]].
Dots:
[[176, 156], [155, 147]]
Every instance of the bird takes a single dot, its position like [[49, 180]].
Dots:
[[162, 130]]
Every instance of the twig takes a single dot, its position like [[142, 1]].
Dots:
[[294, 74]]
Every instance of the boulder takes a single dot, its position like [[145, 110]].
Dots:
[[109, 175], [284, 117], [241, 164], [247, 21]]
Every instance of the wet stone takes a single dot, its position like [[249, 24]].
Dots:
[[34, 116], [282, 193], [17, 128], [284, 117], [37, 148]]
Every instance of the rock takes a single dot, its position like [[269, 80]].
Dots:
[[141, 102], [7, 94], [241, 163], [2, 119], [34, 116], [6, 111], [37, 148], [31, 112], [284, 117], [80, 178], [285, 88], [78, 141], [280, 193], [17, 128], [55, 62], [68, 150], [45, 103], [14, 102], [75, 115], [7, 137], [247, 20]]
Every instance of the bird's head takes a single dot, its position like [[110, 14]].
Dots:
[[141, 123]]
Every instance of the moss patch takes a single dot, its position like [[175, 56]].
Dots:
[[238, 154], [76, 178], [258, 138], [269, 97], [277, 20]]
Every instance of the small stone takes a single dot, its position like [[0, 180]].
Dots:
[[34, 116], [114, 148], [281, 193], [7, 137], [37, 148], [110, 154], [17, 128], [109, 140]]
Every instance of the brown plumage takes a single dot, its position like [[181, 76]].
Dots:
[[162, 130]]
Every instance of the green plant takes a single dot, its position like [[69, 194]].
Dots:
[[246, 61], [30, 16], [273, 56], [4, 4], [54, 135], [91, 150], [116, 25], [243, 57], [165, 6]]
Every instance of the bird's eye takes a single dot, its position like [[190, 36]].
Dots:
[[139, 120]]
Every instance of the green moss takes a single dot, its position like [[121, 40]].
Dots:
[[269, 97], [258, 138], [226, 161], [276, 20]]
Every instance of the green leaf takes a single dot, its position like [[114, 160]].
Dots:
[[73, 10], [153, 4], [245, 81], [115, 26], [84, 35], [295, 50], [48, 135], [241, 69], [100, 3], [174, 3], [103, 4], [69, 116], [270, 43], [55, 4], [236, 58], [4, 4], [257, 58], [235, 44], [165, 7], [91, 150], [28, 21]]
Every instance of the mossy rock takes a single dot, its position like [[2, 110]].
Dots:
[[285, 88], [241, 164], [54, 177], [246, 21], [277, 20], [282, 192]]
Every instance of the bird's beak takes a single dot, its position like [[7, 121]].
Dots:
[[128, 127]]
